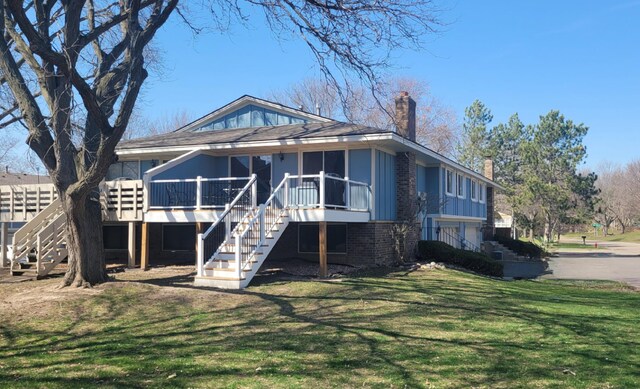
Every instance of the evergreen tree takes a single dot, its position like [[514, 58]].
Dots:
[[473, 145]]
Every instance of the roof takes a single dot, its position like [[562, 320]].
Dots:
[[244, 101], [253, 134], [23, 179]]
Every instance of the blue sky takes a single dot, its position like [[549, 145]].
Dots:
[[580, 57]]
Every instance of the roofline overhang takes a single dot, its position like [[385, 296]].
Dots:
[[365, 138], [424, 150]]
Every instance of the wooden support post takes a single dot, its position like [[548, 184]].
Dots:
[[4, 241], [131, 247], [144, 249], [323, 249]]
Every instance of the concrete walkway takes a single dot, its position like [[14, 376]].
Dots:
[[614, 261]]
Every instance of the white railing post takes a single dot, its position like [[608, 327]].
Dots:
[[262, 216], [347, 193], [285, 203], [238, 257], [198, 193], [146, 192], [24, 203], [322, 186], [200, 264], [254, 191], [227, 224], [38, 253]]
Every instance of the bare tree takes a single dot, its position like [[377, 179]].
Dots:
[[73, 70], [84, 69], [140, 126], [436, 124]]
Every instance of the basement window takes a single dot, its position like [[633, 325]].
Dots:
[[309, 242]]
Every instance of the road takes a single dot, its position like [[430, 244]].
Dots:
[[615, 261]]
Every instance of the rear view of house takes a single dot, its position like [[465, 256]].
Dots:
[[255, 180]]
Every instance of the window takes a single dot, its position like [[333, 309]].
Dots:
[[481, 193], [124, 170], [308, 239], [332, 162], [449, 183], [178, 237], [460, 186], [474, 190]]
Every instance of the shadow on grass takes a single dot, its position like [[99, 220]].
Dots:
[[376, 328]]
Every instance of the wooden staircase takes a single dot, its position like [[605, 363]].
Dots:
[[40, 245]]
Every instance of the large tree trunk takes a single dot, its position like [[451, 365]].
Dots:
[[84, 241]]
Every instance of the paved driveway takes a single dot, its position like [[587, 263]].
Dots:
[[614, 261]]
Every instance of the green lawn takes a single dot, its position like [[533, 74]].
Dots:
[[437, 328], [631, 236]]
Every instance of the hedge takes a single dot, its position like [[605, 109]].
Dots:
[[442, 252]]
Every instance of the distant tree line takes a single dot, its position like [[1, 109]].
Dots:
[[619, 199]]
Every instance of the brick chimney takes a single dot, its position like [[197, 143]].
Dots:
[[488, 167], [406, 116], [489, 228]]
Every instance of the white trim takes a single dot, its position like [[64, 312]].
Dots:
[[474, 193], [482, 193], [166, 166], [449, 218], [462, 195], [450, 191]]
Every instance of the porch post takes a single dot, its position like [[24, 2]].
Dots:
[[131, 247], [144, 249], [323, 248], [4, 241]]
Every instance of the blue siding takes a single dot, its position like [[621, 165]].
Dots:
[[288, 165], [360, 165], [201, 165], [421, 178], [385, 186], [252, 116], [147, 165], [456, 206]]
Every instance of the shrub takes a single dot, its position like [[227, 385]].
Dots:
[[526, 249], [442, 252]]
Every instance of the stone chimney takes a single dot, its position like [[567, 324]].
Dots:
[[406, 116]]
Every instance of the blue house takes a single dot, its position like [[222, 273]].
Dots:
[[255, 180]]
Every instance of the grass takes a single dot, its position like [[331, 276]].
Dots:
[[437, 328], [631, 236]]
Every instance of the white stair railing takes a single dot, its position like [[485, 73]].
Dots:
[[211, 241], [256, 228]]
